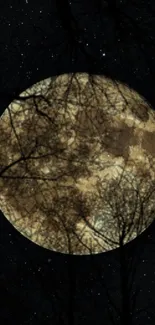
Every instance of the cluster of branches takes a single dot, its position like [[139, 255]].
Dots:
[[31, 139], [123, 204]]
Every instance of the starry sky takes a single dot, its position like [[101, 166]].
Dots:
[[40, 39]]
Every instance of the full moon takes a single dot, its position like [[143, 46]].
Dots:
[[77, 157]]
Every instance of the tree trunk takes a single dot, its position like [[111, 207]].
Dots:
[[71, 291], [126, 316]]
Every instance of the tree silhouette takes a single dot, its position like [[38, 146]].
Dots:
[[56, 190], [53, 140], [132, 209]]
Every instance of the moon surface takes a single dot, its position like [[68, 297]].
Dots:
[[77, 163]]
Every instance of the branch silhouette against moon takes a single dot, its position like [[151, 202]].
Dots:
[[77, 163]]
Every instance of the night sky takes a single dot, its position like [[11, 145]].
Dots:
[[39, 40]]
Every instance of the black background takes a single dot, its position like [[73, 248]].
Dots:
[[117, 40]]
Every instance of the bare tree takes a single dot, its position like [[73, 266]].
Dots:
[[54, 138], [54, 188], [132, 210]]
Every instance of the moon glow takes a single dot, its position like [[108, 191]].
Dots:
[[64, 145]]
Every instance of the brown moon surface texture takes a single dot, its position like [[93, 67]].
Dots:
[[77, 157]]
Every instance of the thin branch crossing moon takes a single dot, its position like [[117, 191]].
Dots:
[[77, 163]]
